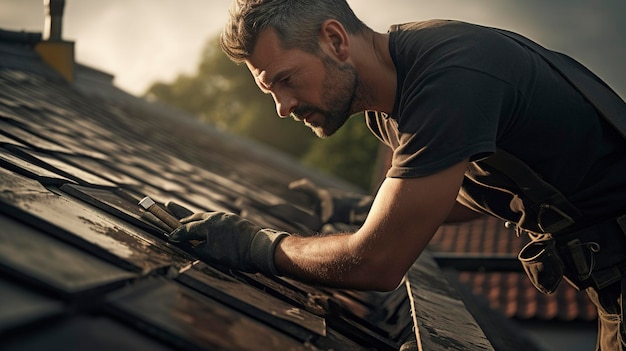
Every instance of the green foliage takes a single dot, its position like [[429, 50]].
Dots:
[[225, 95]]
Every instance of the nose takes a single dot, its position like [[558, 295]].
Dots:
[[285, 105]]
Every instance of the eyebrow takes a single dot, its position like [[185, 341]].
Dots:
[[276, 78]]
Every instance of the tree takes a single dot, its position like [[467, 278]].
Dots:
[[224, 94]]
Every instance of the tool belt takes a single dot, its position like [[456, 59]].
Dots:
[[591, 257]]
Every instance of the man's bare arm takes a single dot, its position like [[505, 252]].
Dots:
[[404, 216], [460, 213]]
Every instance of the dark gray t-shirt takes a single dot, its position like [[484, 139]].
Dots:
[[465, 90]]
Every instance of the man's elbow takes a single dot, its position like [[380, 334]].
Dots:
[[460, 213], [388, 282], [391, 285], [381, 278]]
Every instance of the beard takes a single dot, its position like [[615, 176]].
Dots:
[[339, 93]]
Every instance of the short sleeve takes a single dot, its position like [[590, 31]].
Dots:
[[448, 116]]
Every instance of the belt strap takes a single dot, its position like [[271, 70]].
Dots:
[[595, 256], [554, 211]]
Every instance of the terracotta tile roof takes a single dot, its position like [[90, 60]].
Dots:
[[508, 292]]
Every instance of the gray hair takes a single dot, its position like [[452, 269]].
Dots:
[[297, 23]]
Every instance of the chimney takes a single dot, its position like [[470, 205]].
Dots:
[[53, 26], [54, 51]]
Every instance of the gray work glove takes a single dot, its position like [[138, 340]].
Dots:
[[335, 206], [230, 240]]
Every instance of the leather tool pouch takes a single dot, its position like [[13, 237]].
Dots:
[[542, 264]]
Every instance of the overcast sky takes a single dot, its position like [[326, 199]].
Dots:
[[142, 41]]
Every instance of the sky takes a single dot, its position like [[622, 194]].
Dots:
[[144, 41]]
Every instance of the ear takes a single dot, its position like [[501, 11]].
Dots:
[[334, 39]]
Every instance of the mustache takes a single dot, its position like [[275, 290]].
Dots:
[[305, 110]]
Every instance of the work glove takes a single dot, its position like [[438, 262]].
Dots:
[[230, 240], [178, 211], [335, 206]]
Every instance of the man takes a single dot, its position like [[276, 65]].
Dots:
[[444, 96]]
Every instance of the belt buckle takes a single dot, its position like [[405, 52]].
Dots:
[[606, 277]]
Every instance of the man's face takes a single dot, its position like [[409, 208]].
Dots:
[[320, 91]]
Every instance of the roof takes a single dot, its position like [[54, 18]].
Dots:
[[503, 282], [83, 267]]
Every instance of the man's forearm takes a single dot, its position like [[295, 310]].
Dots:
[[321, 260], [404, 216], [331, 260]]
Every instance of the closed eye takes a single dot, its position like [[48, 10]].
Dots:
[[281, 78]]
